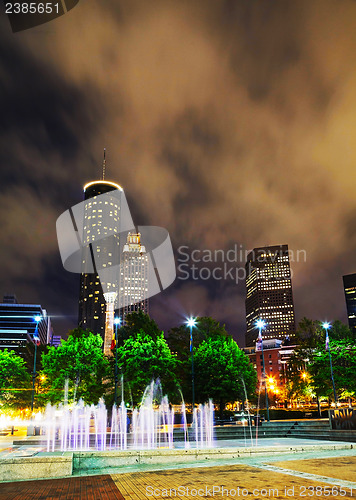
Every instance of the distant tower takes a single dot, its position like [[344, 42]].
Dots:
[[350, 297], [134, 277], [269, 294], [101, 219]]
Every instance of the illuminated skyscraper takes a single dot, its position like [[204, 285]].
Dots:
[[101, 229], [350, 296], [134, 276], [269, 294]]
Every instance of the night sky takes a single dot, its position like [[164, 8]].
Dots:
[[226, 122]]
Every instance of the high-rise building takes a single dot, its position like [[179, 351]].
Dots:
[[101, 229], [269, 294], [134, 276], [56, 340], [18, 324], [350, 296]]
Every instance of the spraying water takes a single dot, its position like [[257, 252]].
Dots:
[[82, 427]]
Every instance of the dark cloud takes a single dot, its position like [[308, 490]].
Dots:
[[226, 122]]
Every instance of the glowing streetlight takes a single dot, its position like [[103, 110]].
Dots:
[[260, 324], [117, 322], [327, 327], [191, 322], [36, 339]]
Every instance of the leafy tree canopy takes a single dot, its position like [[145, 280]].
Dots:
[[137, 322], [178, 338], [220, 369], [79, 359], [343, 355], [13, 379], [312, 357], [142, 358]]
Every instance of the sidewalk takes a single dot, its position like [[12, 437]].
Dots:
[[266, 477]]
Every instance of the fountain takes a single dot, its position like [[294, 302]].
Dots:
[[82, 427]]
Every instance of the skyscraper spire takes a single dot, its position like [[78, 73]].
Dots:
[[104, 164]]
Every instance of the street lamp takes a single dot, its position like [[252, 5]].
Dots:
[[117, 322], [260, 324], [191, 322], [37, 319], [326, 327]]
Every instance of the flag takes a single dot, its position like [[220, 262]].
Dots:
[[37, 340], [259, 342], [113, 342], [327, 341]]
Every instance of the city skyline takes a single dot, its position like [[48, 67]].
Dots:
[[226, 124]]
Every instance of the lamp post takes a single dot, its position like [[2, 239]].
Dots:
[[37, 340], [326, 327], [117, 321], [192, 322], [261, 325]]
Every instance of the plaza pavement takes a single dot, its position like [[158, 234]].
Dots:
[[317, 474]]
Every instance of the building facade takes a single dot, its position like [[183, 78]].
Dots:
[[350, 297], [18, 325], [133, 277], [101, 247], [269, 294], [276, 358], [56, 340]]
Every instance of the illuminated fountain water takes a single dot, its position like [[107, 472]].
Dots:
[[81, 427]]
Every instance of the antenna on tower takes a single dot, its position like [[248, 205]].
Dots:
[[104, 164]]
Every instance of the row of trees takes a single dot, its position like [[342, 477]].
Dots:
[[221, 367], [144, 353], [308, 373]]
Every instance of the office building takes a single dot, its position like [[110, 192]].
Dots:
[[350, 297], [56, 340], [269, 294], [18, 325], [100, 251], [134, 277], [276, 358]]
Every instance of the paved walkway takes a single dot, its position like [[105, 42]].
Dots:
[[78, 488], [333, 476]]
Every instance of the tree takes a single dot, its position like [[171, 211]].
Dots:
[[206, 328], [312, 358], [14, 380], [340, 331], [28, 354], [178, 340], [309, 332], [220, 369], [343, 355], [81, 361], [135, 322], [142, 358]]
